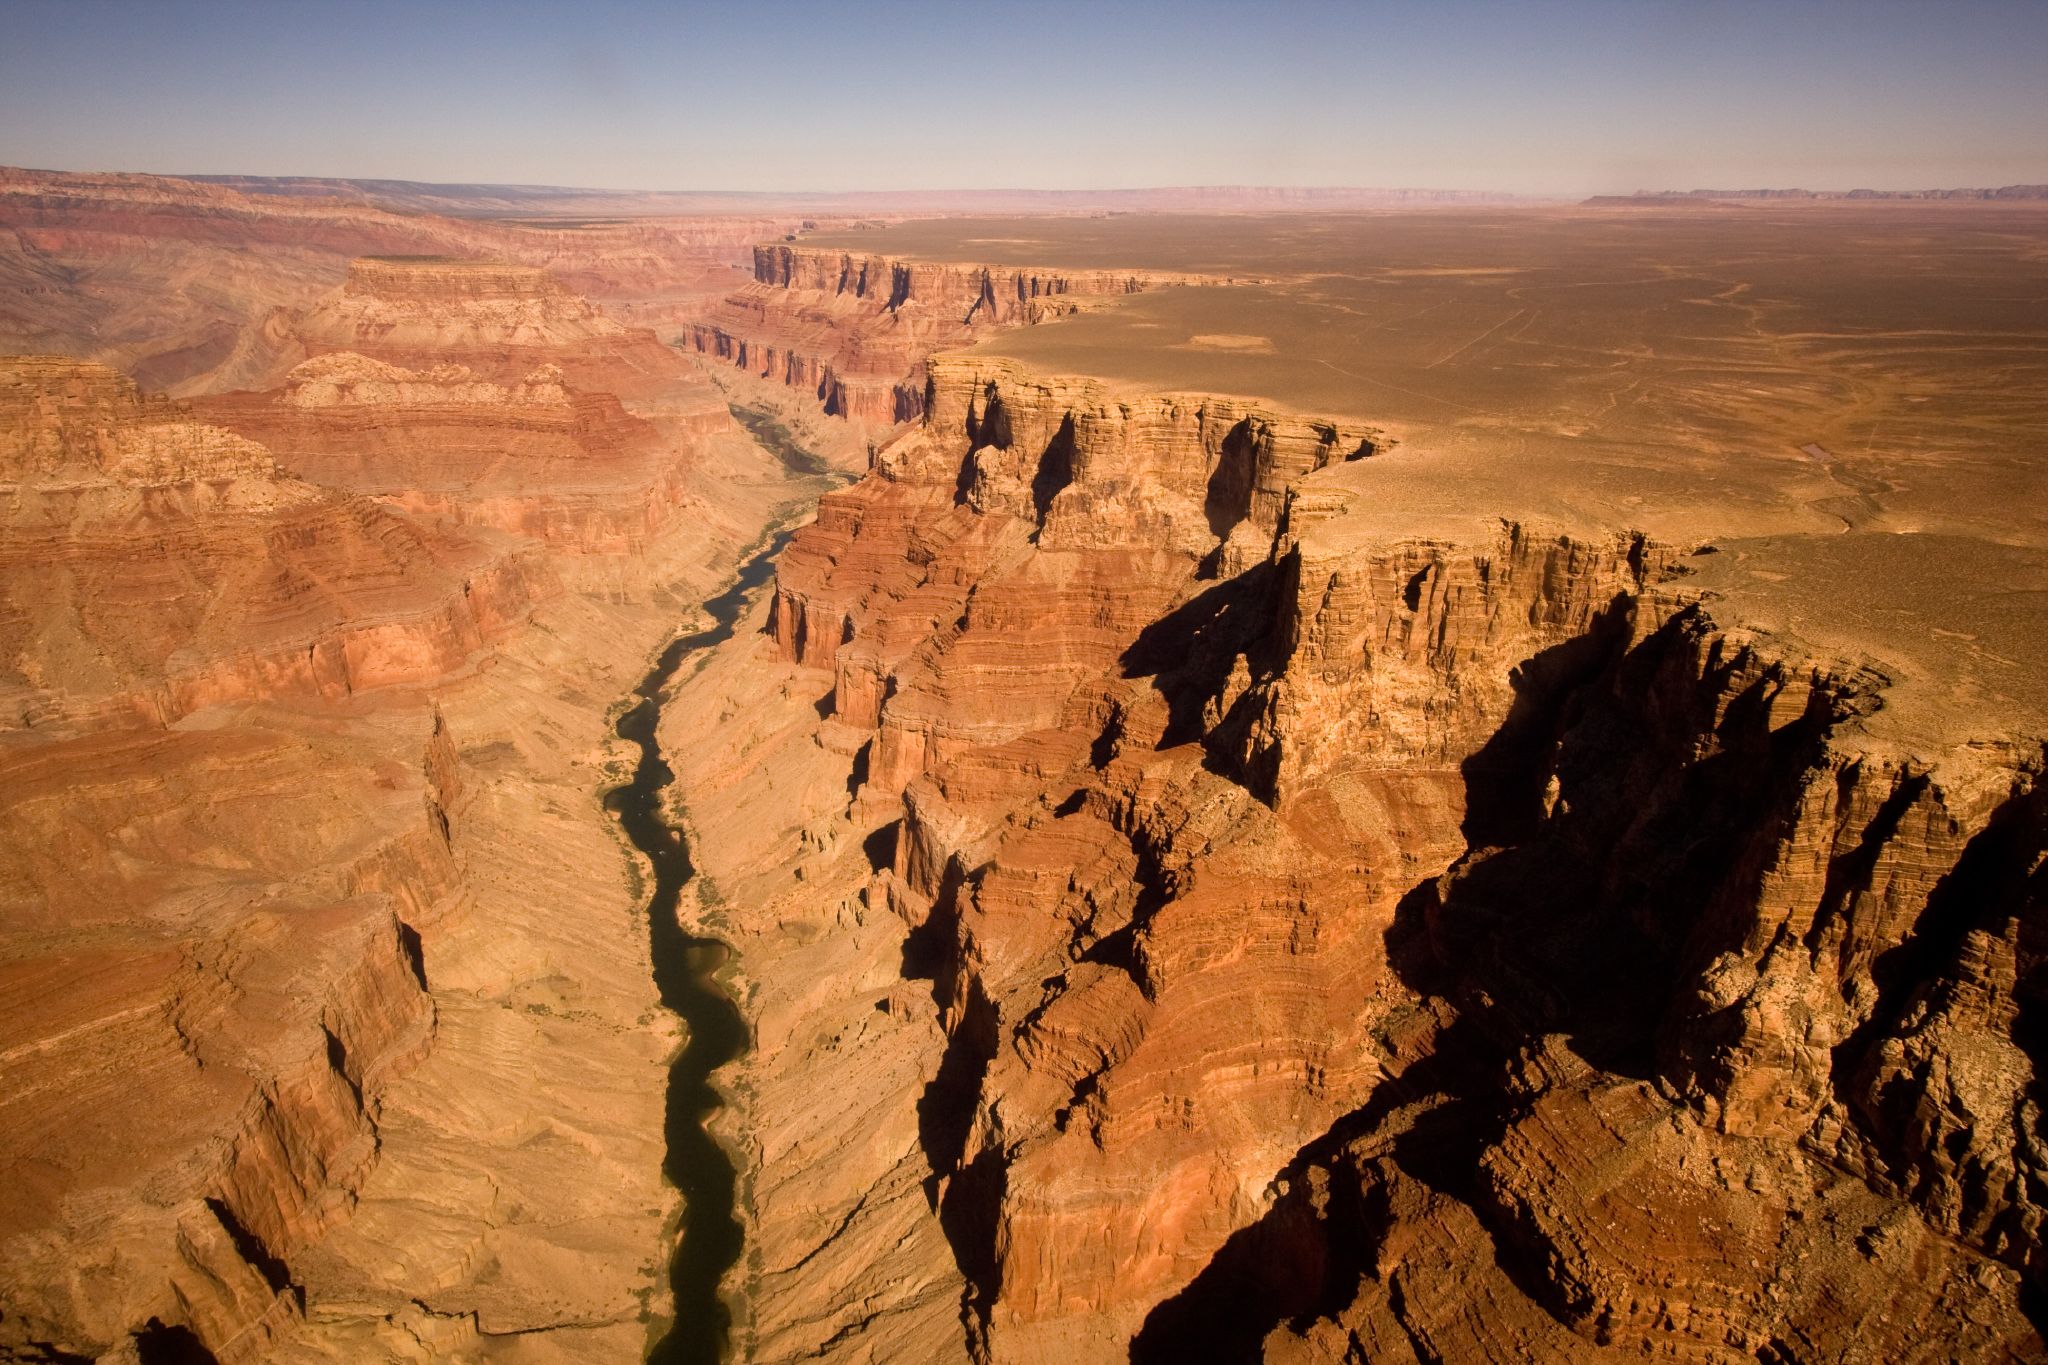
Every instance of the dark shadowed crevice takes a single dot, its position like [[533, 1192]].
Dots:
[[159, 1344], [252, 1249], [1411, 594], [967, 1197], [415, 954], [338, 1063], [1190, 652], [1229, 494], [880, 846], [991, 426], [1055, 469], [963, 481], [945, 1112], [1506, 778]]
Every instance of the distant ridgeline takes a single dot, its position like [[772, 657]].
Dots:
[[1641, 197]]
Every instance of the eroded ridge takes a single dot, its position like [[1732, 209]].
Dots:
[[326, 1032], [853, 329]]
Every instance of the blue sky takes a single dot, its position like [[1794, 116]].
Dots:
[[1569, 96]]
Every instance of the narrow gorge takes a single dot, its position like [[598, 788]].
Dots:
[[687, 969]]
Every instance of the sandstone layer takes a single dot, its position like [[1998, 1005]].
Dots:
[[154, 564]]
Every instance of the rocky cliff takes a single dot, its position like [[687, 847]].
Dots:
[[1210, 882], [567, 467], [853, 330], [195, 1097], [1290, 935]]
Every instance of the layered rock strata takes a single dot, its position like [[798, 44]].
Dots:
[[500, 321], [853, 330], [1272, 934], [154, 564], [536, 458]]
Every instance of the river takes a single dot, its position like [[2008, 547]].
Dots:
[[686, 974]]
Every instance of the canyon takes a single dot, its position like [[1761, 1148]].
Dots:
[[1449, 784]]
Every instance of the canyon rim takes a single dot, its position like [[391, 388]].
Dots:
[[914, 772]]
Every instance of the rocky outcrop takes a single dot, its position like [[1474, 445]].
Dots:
[[253, 1043], [1353, 943], [1635, 1105], [854, 330], [341, 379], [991, 293], [1020, 500]]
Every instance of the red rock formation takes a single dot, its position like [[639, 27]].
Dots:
[[252, 1036], [1668, 1090], [570, 469], [500, 321], [1674, 1057], [854, 330]]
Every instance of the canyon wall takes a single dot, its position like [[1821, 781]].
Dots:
[[155, 565], [853, 330], [1207, 883], [1276, 932]]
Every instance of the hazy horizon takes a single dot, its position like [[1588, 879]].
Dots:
[[1590, 96], [1479, 194]]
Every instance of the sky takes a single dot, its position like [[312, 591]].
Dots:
[[1564, 96]]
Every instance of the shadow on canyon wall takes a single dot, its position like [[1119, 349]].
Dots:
[[1579, 909], [1618, 824]]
